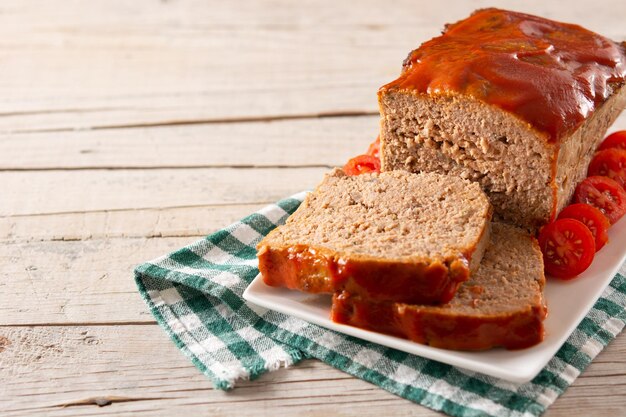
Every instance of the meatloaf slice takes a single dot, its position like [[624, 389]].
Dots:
[[502, 304], [516, 102], [394, 236]]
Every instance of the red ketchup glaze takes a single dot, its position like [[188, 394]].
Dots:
[[311, 270], [432, 326], [552, 75], [296, 268]]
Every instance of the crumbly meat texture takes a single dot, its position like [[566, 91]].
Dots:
[[515, 102], [509, 279], [527, 178], [501, 305], [395, 215], [394, 235]]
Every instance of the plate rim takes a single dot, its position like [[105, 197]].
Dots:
[[613, 256]]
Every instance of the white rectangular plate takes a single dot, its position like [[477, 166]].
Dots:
[[568, 303]]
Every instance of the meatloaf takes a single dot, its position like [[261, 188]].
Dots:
[[515, 102], [394, 236], [501, 305]]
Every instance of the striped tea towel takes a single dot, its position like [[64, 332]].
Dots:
[[195, 294]]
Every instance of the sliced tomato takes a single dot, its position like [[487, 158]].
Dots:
[[610, 163], [596, 222], [604, 194], [374, 148], [568, 248], [614, 140], [362, 164]]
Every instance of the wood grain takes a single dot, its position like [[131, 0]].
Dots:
[[111, 64], [327, 141], [148, 223], [89, 366], [63, 371], [129, 129], [286, 143], [45, 192], [76, 282]]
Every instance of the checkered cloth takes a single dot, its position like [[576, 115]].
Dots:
[[195, 294]]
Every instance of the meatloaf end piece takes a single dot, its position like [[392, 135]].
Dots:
[[502, 304], [515, 102], [394, 236]]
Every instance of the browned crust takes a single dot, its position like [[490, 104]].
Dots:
[[583, 143], [320, 270], [549, 83], [315, 268], [442, 329], [465, 323]]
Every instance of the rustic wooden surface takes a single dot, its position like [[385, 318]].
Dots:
[[131, 128]]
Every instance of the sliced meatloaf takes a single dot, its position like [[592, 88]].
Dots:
[[516, 102], [394, 236], [502, 304]]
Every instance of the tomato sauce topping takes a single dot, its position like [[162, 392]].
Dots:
[[316, 271], [550, 74]]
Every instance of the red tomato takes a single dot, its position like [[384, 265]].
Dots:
[[362, 164], [567, 247], [604, 194], [614, 140], [374, 148], [591, 217], [610, 163]]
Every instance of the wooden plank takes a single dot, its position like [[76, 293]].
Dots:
[[66, 371], [148, 223], [41, 192], [112, 64], [108, 63], [186, 61], [600, 390], [86, 260], [289, 143], [76, 281], [306, 142]]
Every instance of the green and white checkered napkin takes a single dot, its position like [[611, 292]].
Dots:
[[195, 294]]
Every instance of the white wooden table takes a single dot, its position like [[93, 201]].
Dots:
[[131, 128]]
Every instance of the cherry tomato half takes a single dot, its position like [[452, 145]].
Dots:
[[614, 140], [610, 163], [596, 222], [374, 148], [568, 248], [362, 164], [604, 194]]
